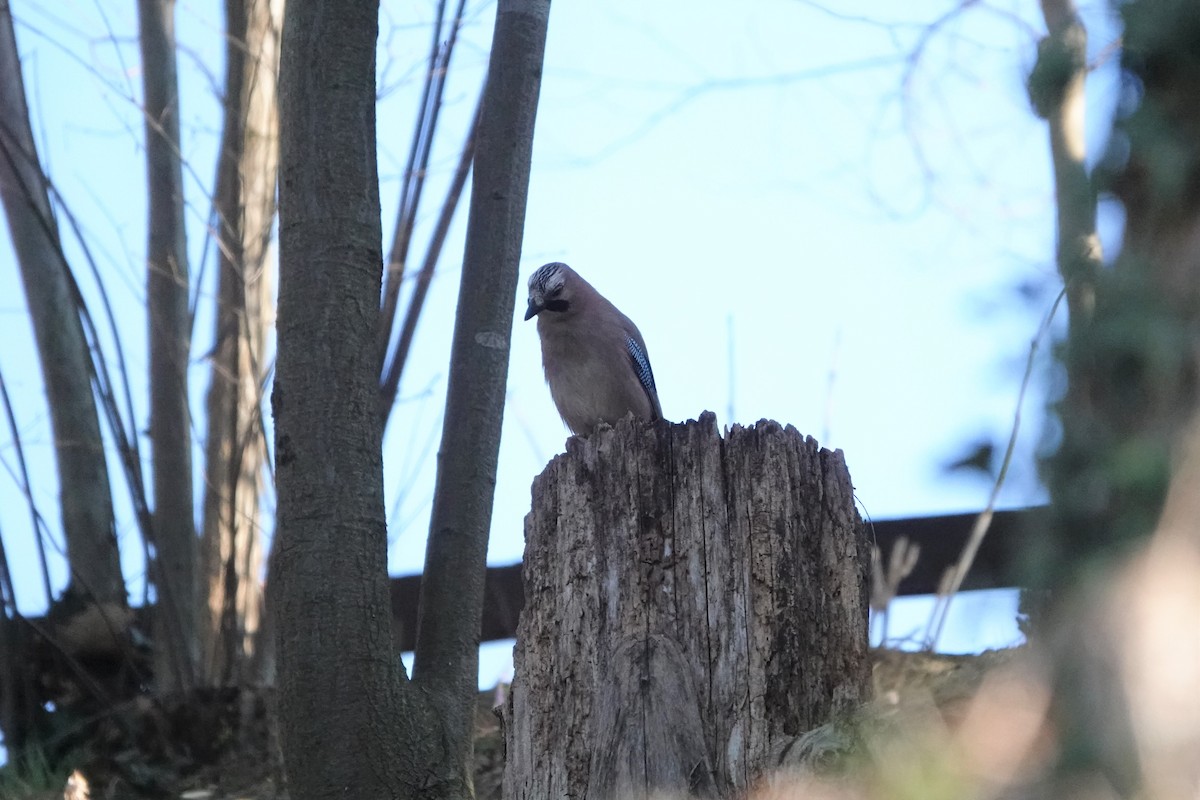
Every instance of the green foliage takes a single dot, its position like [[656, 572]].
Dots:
[[1133, 385], [28, 774]]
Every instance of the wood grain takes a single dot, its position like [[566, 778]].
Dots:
[[693, 603]]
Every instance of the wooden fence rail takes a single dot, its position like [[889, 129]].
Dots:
[[941, 539]]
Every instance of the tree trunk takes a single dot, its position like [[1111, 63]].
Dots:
[[446, 661], [176, 546], [1057, 91], [1133, 371], [342, 708], [85, 493], [351, 722], [693, 604], [231, 540]]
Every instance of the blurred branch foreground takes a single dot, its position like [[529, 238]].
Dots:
[[693, 604]]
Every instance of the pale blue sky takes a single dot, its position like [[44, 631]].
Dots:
[[857, 196]]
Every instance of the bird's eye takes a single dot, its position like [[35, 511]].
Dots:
[[554, 291]]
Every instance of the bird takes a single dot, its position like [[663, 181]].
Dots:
[[594, 357]]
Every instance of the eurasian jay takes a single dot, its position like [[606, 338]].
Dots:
[[594, 356]]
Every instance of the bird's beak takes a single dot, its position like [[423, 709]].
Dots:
[[532, 310]]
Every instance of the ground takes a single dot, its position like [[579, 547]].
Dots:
[[220, 744]]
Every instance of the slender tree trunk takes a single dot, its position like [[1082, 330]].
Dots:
[[231, 540], [1098, 735], [175, 541], [85, 494], [1057, 90], [693, 605], [446, 661]]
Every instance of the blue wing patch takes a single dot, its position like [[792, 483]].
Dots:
[[641, 363]]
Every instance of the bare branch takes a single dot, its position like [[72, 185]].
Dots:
[[37, 525], [428, 110], [394, 367], [958, 572], [86, 501]]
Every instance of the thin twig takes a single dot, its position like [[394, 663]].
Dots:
[[26, 487], [395, 366], [415, 169], [885, 583], [101, 381], [984, 520]]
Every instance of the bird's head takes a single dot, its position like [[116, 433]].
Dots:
[[550, 289]]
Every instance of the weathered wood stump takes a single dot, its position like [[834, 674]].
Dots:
[[692, 605]]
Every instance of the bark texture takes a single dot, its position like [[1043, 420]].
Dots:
[[85, 494], [351, 722], [693, 604], [231, 534], [342, 707], [176, 547]]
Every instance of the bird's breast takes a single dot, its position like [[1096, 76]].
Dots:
[[591, 383]]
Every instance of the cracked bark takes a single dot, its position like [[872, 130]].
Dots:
[[693, 604]]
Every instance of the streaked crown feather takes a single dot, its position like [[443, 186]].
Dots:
[[547, 278]]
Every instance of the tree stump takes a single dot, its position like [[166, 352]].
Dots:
[[692, 605]]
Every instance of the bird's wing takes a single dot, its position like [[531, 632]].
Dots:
[[641, 364]]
